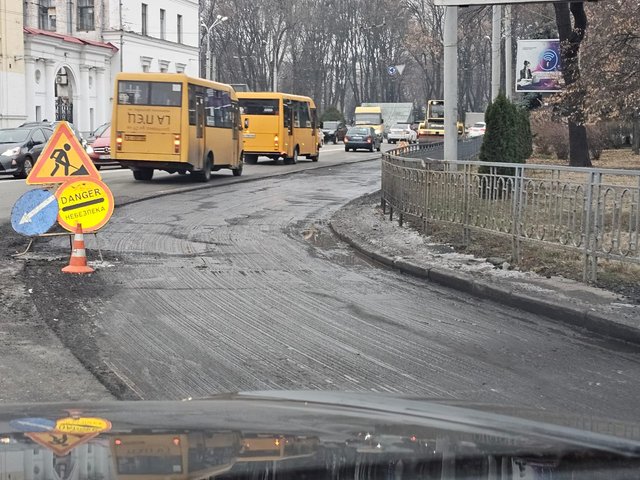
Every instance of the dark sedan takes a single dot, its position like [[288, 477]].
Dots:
[[20, 148], [333, 131], [361, 137]]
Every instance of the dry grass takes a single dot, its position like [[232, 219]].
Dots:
[[622, 158]]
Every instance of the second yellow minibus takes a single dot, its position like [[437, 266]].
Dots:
[[278, 125]]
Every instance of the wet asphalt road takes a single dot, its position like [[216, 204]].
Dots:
[[244, 288], [126, 189]]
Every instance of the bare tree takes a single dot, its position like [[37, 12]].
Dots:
[[571, 36]]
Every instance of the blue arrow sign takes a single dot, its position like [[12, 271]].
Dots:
[[392, 70], [33, 424], [34, 213]]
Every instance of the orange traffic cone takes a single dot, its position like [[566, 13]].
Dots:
[[78, 261]]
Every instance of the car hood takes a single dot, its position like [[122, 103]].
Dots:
[[8, 146], [102, 142], [236, 434]]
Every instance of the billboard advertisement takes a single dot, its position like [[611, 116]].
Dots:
[[538, 67]]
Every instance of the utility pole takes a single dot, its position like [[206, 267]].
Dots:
[[508, 62], [495, 51], [121, 35], [450, 37], [209, 75]]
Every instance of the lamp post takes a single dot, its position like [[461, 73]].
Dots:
[[219, 19]]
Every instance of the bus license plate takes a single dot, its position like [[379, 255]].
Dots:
[[249, 135], [135, 138]]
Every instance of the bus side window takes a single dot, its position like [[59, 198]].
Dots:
[[297, 111], [192, 105], [314, 119], [287, 115]]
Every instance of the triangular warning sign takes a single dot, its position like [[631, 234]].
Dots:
[[61, 159], [60, 443]]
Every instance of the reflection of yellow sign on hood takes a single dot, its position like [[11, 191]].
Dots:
[[70, 433], [83, 425]]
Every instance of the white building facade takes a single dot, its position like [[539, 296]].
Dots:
[[12, 88], [74, 49]]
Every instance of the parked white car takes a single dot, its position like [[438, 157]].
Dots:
[[402, 132], [477, 129]]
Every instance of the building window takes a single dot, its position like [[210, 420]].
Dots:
[[145, 63], [47, 15], [85, 15], [144, 19], [163, 24], [179, 29]]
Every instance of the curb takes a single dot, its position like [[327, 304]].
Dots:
[[583, 318]]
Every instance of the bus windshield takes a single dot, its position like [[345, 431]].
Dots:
[[251, 106], [368, 118], [163, 94]]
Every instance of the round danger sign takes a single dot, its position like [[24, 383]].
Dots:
[[85, 202]]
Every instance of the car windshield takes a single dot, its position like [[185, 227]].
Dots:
[[358, 131], [101, 130], [14, 135], [479, 125]]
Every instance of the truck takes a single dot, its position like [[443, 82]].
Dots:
[[370, 117], [471, 118], [394, 114]]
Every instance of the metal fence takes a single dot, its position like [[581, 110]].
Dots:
[[593, 212]]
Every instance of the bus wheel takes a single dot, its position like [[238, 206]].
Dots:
[[314, 158], [250, 158], [204, 175], [144, 174], [294, 159], [237, 171]]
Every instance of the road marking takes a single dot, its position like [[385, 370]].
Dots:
[[26, 218]]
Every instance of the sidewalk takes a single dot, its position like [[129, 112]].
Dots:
[[362, 225]]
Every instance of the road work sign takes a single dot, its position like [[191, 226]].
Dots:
[[85, 202], [62, 159], [34, 213]]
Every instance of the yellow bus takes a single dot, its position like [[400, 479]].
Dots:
[[370, 117], [279, 125], [174, 456], [267, 448], [172, 122]]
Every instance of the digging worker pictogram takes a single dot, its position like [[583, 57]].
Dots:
[[61, 158]]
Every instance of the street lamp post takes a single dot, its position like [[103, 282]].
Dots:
[[219, 19]]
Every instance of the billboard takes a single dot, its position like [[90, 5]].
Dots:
[[538, 66]]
